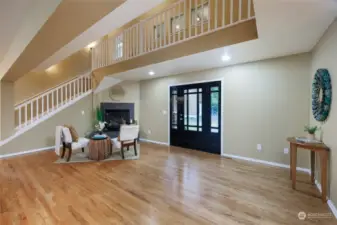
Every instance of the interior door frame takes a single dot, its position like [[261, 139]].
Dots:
[[222, 109]]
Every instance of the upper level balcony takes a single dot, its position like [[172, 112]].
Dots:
[[185, 27]]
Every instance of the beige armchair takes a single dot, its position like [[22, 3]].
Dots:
[[127, 137], [63, 137]]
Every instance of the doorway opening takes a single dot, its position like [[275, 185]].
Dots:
[[195, 116]]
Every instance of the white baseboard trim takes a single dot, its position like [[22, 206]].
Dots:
[[332, 208], [26, 152], [306, 170], [154, 142], [329, 202]]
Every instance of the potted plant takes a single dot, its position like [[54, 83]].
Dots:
[[100, 123], [311, 131]]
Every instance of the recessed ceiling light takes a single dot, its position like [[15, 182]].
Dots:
[[198, 18], [226, 57], [151, 73], [51, 69], [92, 45], [177, 26]]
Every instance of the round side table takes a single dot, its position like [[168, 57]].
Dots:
[[99, 149]]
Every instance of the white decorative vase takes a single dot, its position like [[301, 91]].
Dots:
[[311, 137]]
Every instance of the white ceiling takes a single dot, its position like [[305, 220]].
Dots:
[[12, 14], [128, 11], [285, 27]]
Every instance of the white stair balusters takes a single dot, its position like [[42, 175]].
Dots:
[[42, 105]]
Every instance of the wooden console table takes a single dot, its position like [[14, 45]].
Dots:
[[323, 152]]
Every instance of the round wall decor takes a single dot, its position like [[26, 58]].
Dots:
[[321, 95]]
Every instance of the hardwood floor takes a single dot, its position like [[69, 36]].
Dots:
[[165, 186]]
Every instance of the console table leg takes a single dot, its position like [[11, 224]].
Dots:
[[293, 166], [291, 161], [324, 173], [312, 159]]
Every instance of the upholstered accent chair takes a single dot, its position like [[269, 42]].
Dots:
[[63, 136], [127, 137]]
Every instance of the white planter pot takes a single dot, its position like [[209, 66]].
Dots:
[[311, 136]]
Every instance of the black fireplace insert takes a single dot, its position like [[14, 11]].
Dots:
[[116, 114]]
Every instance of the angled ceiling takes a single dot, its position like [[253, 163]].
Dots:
[[20, 27], [16, 10], [284, 28], [71, 18], [127, 12]]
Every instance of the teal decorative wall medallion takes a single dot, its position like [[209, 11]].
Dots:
[[321, 95]]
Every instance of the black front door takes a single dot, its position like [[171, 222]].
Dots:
[[195, 116]]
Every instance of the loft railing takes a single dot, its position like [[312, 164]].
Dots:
[[42, 105], [182, 21]]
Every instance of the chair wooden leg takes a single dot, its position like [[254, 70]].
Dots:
[[122, 150], [82, 149], [69, 153], [128, 148], [63, 150], [135, 147], [111, 146]]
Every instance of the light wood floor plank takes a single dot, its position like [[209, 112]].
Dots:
[[167, 185]]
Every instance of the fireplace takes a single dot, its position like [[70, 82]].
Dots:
[[116, 114], [116, 117]]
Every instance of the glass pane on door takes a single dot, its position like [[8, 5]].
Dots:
[[185, 110], [193, 128], [192, 109], [214, 130], [174, 111], [192, 90], [200, 110], [215, 110]]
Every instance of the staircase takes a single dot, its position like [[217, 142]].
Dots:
[[42, 106]]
